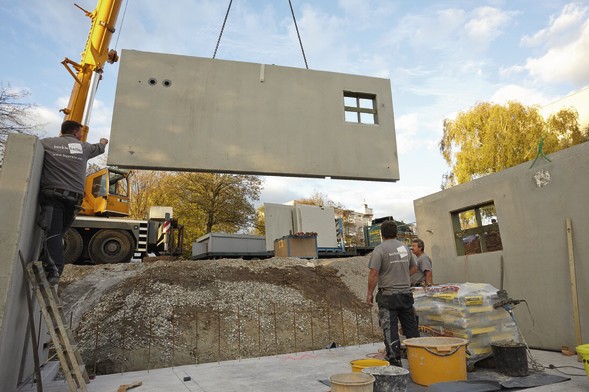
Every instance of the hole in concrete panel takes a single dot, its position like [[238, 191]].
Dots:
[[152, 81], [167, 83]]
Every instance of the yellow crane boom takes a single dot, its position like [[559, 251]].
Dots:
[[88, 72]]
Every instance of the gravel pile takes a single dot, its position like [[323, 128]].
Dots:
[[166, 313]]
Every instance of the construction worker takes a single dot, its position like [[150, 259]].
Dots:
[[423, 276], [62, 190], [391, 265]]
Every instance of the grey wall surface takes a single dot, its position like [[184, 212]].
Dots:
[[234, 117], [532, 224], [278, 221], [19, 187]]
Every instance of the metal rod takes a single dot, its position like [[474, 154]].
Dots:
[[219, 333], [328, 324], [294, 326], [312, 337], [173, 339], [123, 336], [275, 330], [149, 343], [196, 336], [259, 332], [341, 311], [357, 329], [95, 347], [371, 325], [238, 333]]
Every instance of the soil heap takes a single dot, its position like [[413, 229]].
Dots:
[[138, 316]]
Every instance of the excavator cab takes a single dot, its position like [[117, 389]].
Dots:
[[107, 193]]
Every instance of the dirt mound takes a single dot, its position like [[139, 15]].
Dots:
[[167, 313]]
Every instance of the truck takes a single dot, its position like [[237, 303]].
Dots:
[[102, 232], [372, 234]]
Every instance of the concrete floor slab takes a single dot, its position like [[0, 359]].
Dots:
[[285, 373]]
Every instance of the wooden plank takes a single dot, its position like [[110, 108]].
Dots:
[[576, 317]]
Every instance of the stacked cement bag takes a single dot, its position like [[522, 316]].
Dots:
[[465, 311]]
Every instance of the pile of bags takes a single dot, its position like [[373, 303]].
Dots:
[[465, 311]]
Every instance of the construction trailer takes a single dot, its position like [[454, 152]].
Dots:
[[220, 245]]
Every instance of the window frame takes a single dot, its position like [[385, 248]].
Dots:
[[358, 110], [479, 230]]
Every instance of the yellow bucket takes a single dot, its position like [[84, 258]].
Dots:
[[584, 351], [438, 359], [359, 364], [351, 382]]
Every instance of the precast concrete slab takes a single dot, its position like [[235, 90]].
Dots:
[[194, 114], [19, 235], [285, 373]]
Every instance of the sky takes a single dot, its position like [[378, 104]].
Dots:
[[441, 57]]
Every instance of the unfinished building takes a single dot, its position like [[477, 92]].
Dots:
[[510, 229]]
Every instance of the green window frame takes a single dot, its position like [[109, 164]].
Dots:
[[476, 229]]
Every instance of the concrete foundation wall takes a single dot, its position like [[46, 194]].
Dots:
[[19, 188], [186, 113], [531, 212]]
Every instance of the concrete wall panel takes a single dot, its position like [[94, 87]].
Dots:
[[532, 224], [19, 188], [186, 113], [278, 221]]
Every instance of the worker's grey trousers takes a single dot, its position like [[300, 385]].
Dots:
[[391, 309]]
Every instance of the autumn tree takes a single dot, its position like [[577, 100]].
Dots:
[[15, 114], [491, 137], [260, 222], [146, 191]]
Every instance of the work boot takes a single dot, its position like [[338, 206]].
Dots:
[[395, 362], [51, 272], [52, 278]]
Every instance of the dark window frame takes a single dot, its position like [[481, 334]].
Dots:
[[479, 231], [358, 110]]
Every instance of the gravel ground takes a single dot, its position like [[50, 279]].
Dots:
[[167, 313]]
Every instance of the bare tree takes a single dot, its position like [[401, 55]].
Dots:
[[15, 114]]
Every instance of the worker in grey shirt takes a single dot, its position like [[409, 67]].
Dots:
[[62, 189], [423, 276], [391, 265]]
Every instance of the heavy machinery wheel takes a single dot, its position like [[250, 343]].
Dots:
[[111, 246], [73, 245]]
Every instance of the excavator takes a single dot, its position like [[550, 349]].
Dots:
[[101, 232]]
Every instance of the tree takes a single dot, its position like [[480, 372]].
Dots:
[[491, 137], [15, 115], [260, 222], [208, 202]]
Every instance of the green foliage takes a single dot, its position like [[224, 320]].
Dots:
[[491, 137], [202, 202]]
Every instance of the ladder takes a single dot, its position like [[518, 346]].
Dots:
[[67, 352]]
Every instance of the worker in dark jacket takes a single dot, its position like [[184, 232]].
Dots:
[[62, 189]]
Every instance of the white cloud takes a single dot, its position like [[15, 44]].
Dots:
[[562, 28], [521, 94], [566, 41], [486, 24]]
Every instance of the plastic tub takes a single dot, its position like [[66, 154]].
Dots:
[[584, 351], [359, 364], [389, 378], [351, 382], [437, 359]]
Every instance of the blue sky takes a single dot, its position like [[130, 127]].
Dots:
[[442, 57]]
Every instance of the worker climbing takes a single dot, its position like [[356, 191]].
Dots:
[[62, 190]]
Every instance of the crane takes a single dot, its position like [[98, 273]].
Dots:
[[96, 234]]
